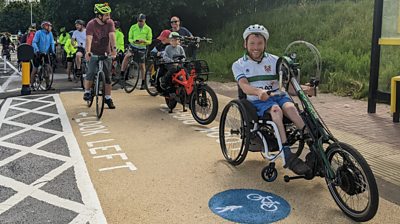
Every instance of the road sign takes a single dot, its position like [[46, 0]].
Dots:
[[249, 206]]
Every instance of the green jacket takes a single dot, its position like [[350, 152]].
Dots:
[[69, 48], [63, 38], [119, 36], [135, 33]]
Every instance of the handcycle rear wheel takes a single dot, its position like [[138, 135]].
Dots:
[[234, 133], [100, 93], [204, 104], [132, 75], [355, 190], [151, 82]]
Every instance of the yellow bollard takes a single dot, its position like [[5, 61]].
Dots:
[[395, 98], [26, 77]]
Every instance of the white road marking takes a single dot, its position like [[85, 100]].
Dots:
[[90, 210], [13, 77]]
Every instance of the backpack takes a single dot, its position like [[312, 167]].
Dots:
[[30, 37]]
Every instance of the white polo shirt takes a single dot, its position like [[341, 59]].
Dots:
[[80, 37], [260, 75]]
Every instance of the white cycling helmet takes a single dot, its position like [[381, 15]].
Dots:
[[256, 28]]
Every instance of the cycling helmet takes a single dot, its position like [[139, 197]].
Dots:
[[102, 8], [80, 22], [256, 28], [117, 24], [62, 29], [174, 35], [45, 23]]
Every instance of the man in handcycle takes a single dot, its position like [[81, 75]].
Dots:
[[256, 75]]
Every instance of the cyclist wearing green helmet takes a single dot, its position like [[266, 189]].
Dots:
[[100, 40]]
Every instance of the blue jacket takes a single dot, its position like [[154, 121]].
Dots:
[[43, 42]]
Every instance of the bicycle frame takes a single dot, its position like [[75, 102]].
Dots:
[[319, 133], [181, 78]]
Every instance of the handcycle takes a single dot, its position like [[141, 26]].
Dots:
[[132, 72], [348, 176], [44, 77], [98, 87], [189, 86]]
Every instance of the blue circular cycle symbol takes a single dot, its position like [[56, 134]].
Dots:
[[249, 206]]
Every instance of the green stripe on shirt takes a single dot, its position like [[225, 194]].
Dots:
[[262, 78]]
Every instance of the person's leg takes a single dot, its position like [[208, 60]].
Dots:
[[277, 117], [142, 67], [69, 65], [290, 111], [125, 62], [35, 63], [88, 82], [107, 73], [78, 61]]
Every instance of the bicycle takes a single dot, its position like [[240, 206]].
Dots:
[[43, 79], [347, 174], [191, 44], [191, 88], [81, 76], [98, 87], [152, 79], [132, 73]]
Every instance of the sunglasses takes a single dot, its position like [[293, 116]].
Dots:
[[174, 21]]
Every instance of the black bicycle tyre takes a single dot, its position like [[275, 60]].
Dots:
[[372, 207], [151, 90], [100, 95], [131, 77], [41, 81], [244, 133], [194, 103]]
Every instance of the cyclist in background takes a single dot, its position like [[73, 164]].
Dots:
[[190, 50], [172, 50], [31, 34], [100, 40], [140, 36], [119, 39], [70, 49], [43, 43], [62, 39], [80, 36]]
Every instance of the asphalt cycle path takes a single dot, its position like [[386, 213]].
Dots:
[[149, 166]]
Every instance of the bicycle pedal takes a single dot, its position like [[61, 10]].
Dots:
[[286, 178]]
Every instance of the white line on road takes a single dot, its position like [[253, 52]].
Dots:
[[13, 77]]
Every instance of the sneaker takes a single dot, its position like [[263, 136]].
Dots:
[[87, 96], [295, 164], [110, 103]]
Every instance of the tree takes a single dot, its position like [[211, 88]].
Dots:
[[16, 16]]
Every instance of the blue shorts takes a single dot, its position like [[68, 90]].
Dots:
[[263, 106]]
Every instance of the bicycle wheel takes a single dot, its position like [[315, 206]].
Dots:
[[354, 189], [151, 82], [131, 77], [49, 76], [234, 133], [100, 93], [90, 102], [204, 104], [41, 81]]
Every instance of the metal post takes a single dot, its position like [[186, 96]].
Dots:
[[375, 56]]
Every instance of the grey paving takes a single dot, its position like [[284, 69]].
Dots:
[[51, 109], [29, 138], [7, 152], [33, 211], [31, 118], [64, 186], [31, 105], [12, 112], [29, 168], [59, 146], [6, 193], [53, 125], [50, 99], [32, 97], [7, 129], [13, 102]]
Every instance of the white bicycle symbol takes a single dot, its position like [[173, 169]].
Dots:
[[267, 204]]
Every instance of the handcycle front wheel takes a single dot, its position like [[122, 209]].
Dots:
[[204, 104], [132, 75], [100, 93], [151, 82], [354, 189], [234, 133]]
